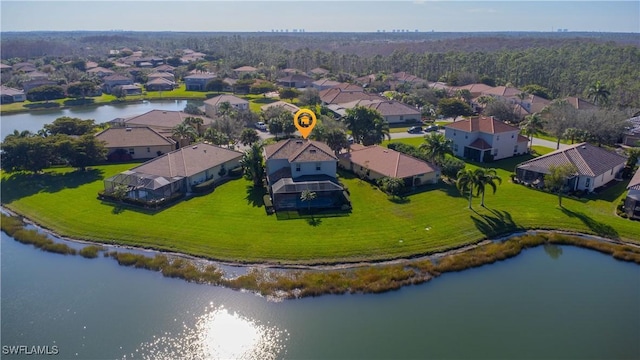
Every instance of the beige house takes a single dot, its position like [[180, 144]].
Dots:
[[212, 106], [135, 143], [375, 162]]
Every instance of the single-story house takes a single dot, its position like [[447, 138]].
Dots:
[[375, 162], [632, 201], [160, 84], [337, 95], [11, 95], [632, 136], [475, 89], [243, 70], [324, 84], [580, 104], [5, 68], [148, 61], [175, 172], [32, 84], [165, 68], [163, 121], [135, 143], [295, 165], [483, 139], [212, 106], [163, 75], [285, 105], [132, 89], [319, 72], [394, 112], [295, 81], [595, 166], [112, 81], [198, 82], [100, 71]]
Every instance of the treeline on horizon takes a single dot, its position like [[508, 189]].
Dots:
[[565, 63]]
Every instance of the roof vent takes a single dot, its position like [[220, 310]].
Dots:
[[195, 147], [313, 151], [298, 141], [128, 129], [584, 146]]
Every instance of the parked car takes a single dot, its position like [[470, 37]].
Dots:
[[431, 128], [261, 126], [350, 139], [415, 130]]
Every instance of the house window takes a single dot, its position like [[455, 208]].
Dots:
[[297, 167], [466, 136], [148, 149], [512, 136], [455, 147], [611, 171], [454, 133], [132, 151], [495, 152], [515, 149], [587, 182], [498, 138], [401, 118], [318, 166]]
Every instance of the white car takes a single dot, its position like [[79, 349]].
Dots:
[[261, 126]]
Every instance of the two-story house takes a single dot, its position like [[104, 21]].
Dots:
[[115, 80], [295, 165], [485, 139]]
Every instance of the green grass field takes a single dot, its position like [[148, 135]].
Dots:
[[230, 223]]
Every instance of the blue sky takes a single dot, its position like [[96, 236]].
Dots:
[[360, 16]]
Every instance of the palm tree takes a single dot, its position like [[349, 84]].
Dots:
[[225, 108], [599, 93], [533, 126], [377, 133], [215, 137], [467, 181], [183, 132], [252, 164], [464, 95], [308, 196], [436, 146], [249, 136], [486, 177], [194, 122]]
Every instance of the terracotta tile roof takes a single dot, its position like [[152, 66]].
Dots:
[[188, 161], [116, 137], [393, 108], [388, 162], [406, 77], [502, 91], [298, 150], [589, 160], [482, 124], [337, 95], [480, 144], [215, 101], [537, 103], [319, 71], [634, 184], [162, 119], [100, 69], [116, 77], [245, 69], [349, 87], [287, 106], [475, 89], [580, 104]]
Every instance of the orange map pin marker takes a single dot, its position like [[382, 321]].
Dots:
[[305, 121]]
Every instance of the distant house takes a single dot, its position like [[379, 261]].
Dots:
[[244, 70], [131, 89], [5, 68], [632, 201], [37, 75], [375, 162], [319, 72], [290, 71], [393, 112], [112, 81], [10, 95], [197, 82], [135, 142], [295, 81], [100, 71], [632, 136], [324, 84], [148, 62], [163, 75], [580, 104], [504, 92], [212, 106], [295, 165], [162, 121], [338, 95], [32, 84], [595, 166], [160, 84], [485, 139], [475, 89], [285, 105], [24, 67], [175, 173], [165, 68]]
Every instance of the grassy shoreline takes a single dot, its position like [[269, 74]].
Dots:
[[295, 283]]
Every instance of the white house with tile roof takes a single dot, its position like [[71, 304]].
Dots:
[[484, 139], [595, 166], [295, 165]]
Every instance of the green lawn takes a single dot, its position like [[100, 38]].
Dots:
[[227, 224]]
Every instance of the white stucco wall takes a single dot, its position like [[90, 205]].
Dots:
[[309, 168]]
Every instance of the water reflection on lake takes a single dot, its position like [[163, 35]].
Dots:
[[580, 305]]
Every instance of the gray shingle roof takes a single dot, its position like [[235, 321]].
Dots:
[[634, 184], [588, 159], [297, 150], [135, 136]]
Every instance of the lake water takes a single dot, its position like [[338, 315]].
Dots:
[[35, 120], [541, 304]]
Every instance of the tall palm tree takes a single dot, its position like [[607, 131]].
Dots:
[[225, 108], [533, 126], [486, 177], [467, 181], [436, 146], [194, 122], [252, 164], [215, 137], [184, 134], [599, 93], [308, 196]]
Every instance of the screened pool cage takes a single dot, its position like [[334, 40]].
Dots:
[[145, 187], [286, 194]]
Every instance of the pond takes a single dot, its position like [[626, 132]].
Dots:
[[553, 302]]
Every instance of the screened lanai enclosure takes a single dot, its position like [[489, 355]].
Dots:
[[145, 187], [286, 194]]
